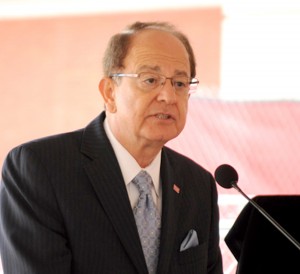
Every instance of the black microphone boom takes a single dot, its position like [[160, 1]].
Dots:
[[227, 177]]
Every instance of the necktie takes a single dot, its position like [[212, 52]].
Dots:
[[147, 220]]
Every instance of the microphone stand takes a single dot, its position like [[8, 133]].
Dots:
[[263, 212]]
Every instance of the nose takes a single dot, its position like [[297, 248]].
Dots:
[[167, 92]]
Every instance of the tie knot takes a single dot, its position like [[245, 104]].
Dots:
[[143, 182]]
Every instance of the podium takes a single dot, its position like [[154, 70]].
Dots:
[[258, 246]]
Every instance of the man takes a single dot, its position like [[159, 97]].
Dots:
[[68, 202]]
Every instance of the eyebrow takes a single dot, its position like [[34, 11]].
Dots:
[[157, 69]]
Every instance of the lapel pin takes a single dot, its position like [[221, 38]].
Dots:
[[176, 189]]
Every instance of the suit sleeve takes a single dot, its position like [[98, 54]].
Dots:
[[214, 253], [32, 236]]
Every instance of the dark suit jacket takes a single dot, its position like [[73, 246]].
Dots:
[[65, 209]]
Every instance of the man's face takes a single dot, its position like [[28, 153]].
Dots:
[[157, 116]]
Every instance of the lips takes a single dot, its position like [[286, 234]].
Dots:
[[163, 116]]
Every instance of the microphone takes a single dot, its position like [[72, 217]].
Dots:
[[227, 177]]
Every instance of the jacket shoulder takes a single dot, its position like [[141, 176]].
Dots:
[[49, 144], [179, 159]]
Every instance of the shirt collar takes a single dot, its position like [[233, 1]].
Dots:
[[129, 166]]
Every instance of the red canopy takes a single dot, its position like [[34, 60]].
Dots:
[[261, 140]]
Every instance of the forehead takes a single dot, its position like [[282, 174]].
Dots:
[[160, 49]]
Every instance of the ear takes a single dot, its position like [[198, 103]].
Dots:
[[107, 89]]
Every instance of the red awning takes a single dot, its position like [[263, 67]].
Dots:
[[261, 140]]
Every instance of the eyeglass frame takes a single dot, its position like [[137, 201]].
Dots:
[[162, 77]]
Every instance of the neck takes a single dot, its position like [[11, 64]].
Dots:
[[144, 155], [142, 150]]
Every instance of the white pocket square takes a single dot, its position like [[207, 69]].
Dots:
[[190, 240]]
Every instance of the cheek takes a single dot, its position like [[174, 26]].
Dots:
[[183, 109], [131, 109], [124, 101]]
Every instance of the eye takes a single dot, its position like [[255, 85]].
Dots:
[[149, 79], [180, 82]]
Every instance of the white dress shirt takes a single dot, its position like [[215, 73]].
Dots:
[[130, 168]]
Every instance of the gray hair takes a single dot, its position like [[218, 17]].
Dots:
[[119, 45]]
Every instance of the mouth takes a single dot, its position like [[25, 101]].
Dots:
[[162, 116]]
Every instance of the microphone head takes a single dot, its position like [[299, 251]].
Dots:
[[225, 175]]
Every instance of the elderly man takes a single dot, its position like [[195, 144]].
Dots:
[[111, 198]]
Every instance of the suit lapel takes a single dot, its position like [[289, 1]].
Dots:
[[105, 175], [170, 209]]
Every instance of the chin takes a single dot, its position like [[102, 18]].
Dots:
[[165, 138], [162, 135]]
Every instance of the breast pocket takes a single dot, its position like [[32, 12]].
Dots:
[[193, 260]]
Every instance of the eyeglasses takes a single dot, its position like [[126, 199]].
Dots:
[[150, 81]]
